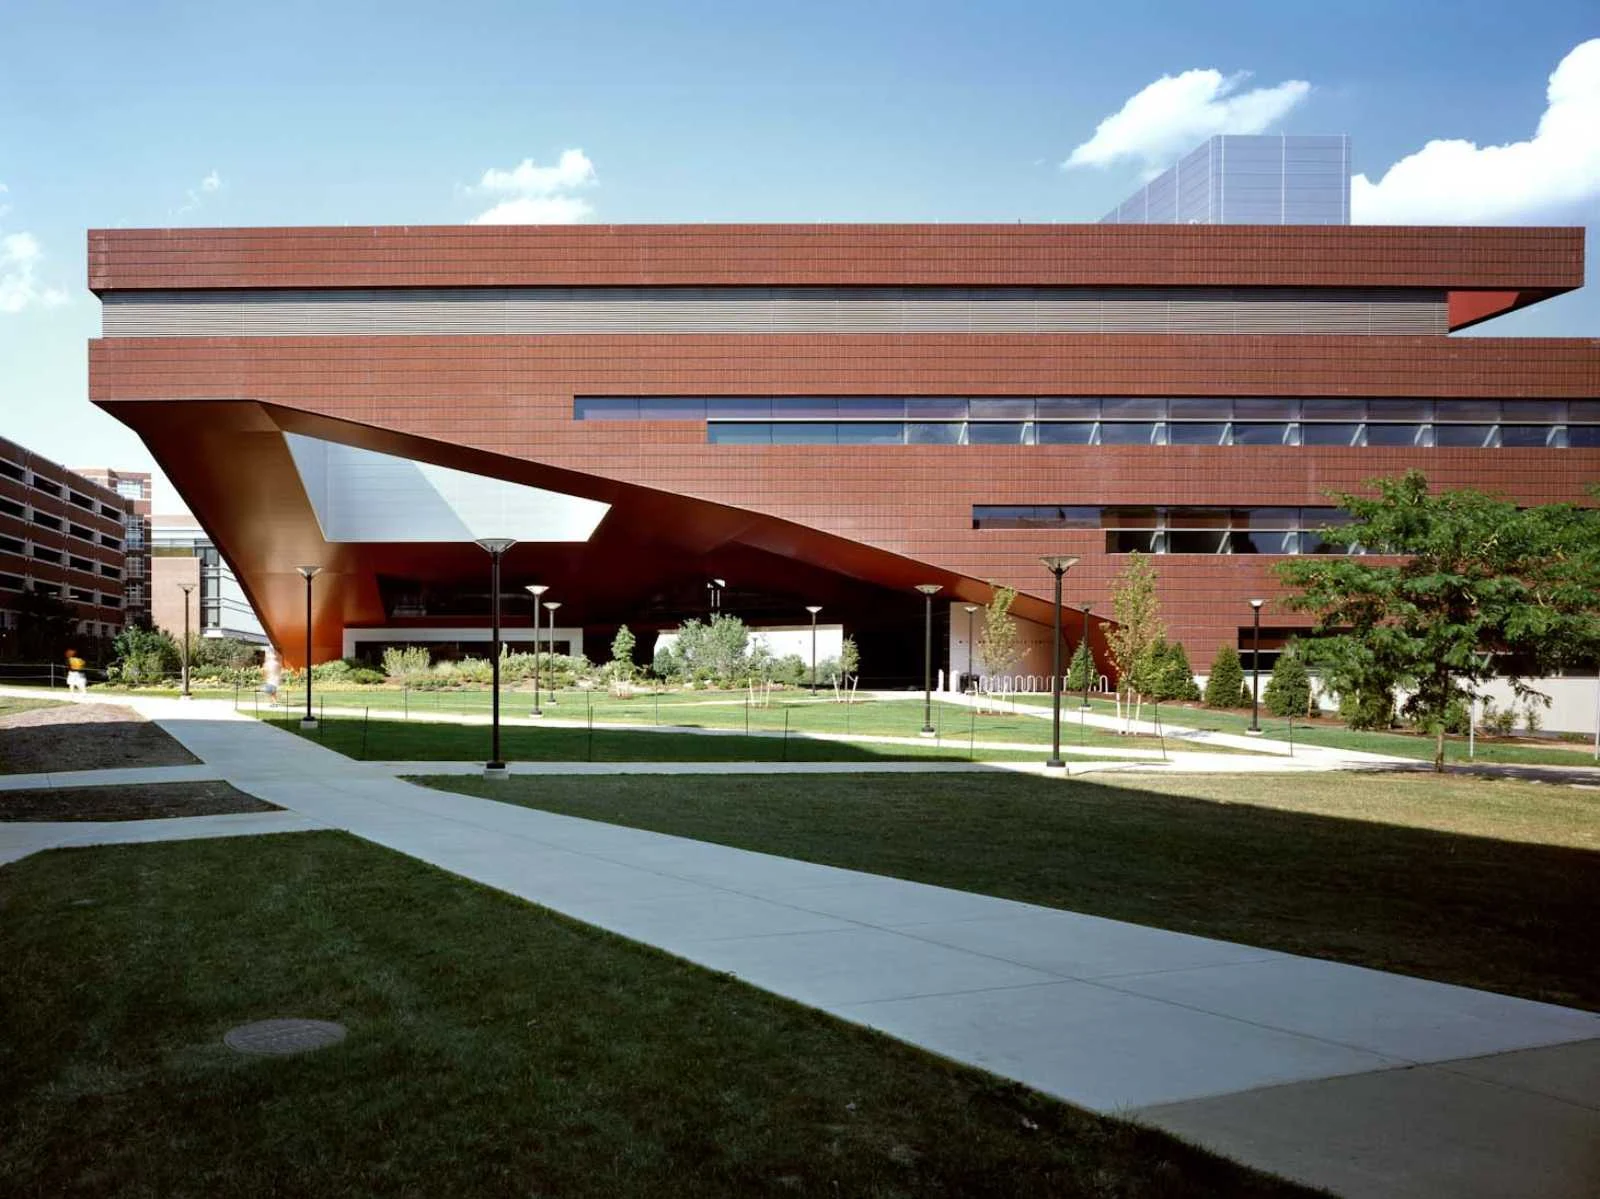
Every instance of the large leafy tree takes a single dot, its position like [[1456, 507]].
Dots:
[[1456, 586]]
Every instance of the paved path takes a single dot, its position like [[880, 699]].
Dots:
[[1369, 1083]]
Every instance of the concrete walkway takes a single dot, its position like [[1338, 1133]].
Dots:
[[1368, 1083]]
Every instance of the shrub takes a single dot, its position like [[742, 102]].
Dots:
[[231, 652], [144, 656], [1502, 722], [1170, 670], [1080, 673], [1288, 691], [1367, 707], [621, 666], [1226, 683], [408, 664], [1532, 718]]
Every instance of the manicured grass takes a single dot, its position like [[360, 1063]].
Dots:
[[12, 706], [796, 711], [1300, 864], [156, 801], [1329, 732], [428, 741], [494, 1049]]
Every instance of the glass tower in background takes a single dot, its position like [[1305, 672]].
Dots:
[[1256, 179]]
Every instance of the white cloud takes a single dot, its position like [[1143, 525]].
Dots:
[[20, 255], [211, 182], [194, 196], [1457, 182], [1177, 112], [536, 195]]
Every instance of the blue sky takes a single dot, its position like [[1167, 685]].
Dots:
[[328, 113]]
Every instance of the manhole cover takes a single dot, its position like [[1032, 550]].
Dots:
[[283, 1036]]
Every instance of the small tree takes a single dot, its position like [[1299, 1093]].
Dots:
[[621, 666], [1475, 573], [849, 660], [1080, 674], [1139, 629], [1000, 644], [1288, 691], [1226, 683], [145, 655], [1174, 679]]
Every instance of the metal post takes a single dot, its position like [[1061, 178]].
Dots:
[[1089, 667], [1058, 565], [971, 645], [308, 573], [813, 609], [187, 589], [495, 767], [536, 590], [550, 606], [1255, 669], [928, 591]]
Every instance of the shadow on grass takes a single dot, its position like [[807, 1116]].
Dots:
[[1473, 910]]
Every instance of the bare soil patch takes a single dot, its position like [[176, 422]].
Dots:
[[84, 737], [154, 802]]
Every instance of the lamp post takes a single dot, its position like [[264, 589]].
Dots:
[[495, 546], [550, 606], [715, 588], [536, 590], [1058, 565], [929, 590], [308, 573], [1090, 669], [813, 609], [187, 589], [1255, 668], [971, 645]]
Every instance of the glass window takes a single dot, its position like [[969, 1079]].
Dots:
[[800, 407], [10, 544], [1467, 410], [1554, 411], [11, 507], [875, 407], [872, 433], [1583, 437], [1266, 518], [671, 408], [1201, 409], [1196, 542], [1197, 433], [1259, 433], [1127, 433], [1123, 407], [1070, 407], [585, 408], [1329, 434], [997, 432], [993, 409], [937, 408], [934, 432], [1313, 543], [1197, 518], [1076, 432], [1341, 410], [1127, 542], [1131, 518], [742, 407], [1265, 409], [1584, 410], [1262, 541], [1394, 435], [739, 433], [805, 433], [1399, 409], [130, 489], [1463, 436], [1525, 436]]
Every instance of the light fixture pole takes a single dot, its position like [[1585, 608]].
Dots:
[[971, 645], [536, 590], [813, 609], [187, 589], [929, 590], [495, 767], [1090, 669], [1255, 668], [308, 573], [550, 606], [1058, 565]]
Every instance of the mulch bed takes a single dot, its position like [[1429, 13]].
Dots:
[[137, 802], [84, 737]]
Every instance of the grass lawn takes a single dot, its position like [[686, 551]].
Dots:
[[145, 801], [793, 710], [1329, 732], [494, 1049], [1488, 884], [400, 740], [12, 706]]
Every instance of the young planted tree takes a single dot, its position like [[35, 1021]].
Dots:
[[1080, 674], [621, 666], [1139, 635], [1225, 684], [1474, 574], [1000, 643]]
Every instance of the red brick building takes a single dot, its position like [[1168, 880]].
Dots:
[[820, 414], [61, 535]]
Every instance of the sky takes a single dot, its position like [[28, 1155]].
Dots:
[[295, 113]]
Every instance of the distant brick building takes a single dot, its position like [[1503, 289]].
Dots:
[[133, 486]]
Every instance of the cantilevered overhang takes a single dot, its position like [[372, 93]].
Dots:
[[1492, 270]]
